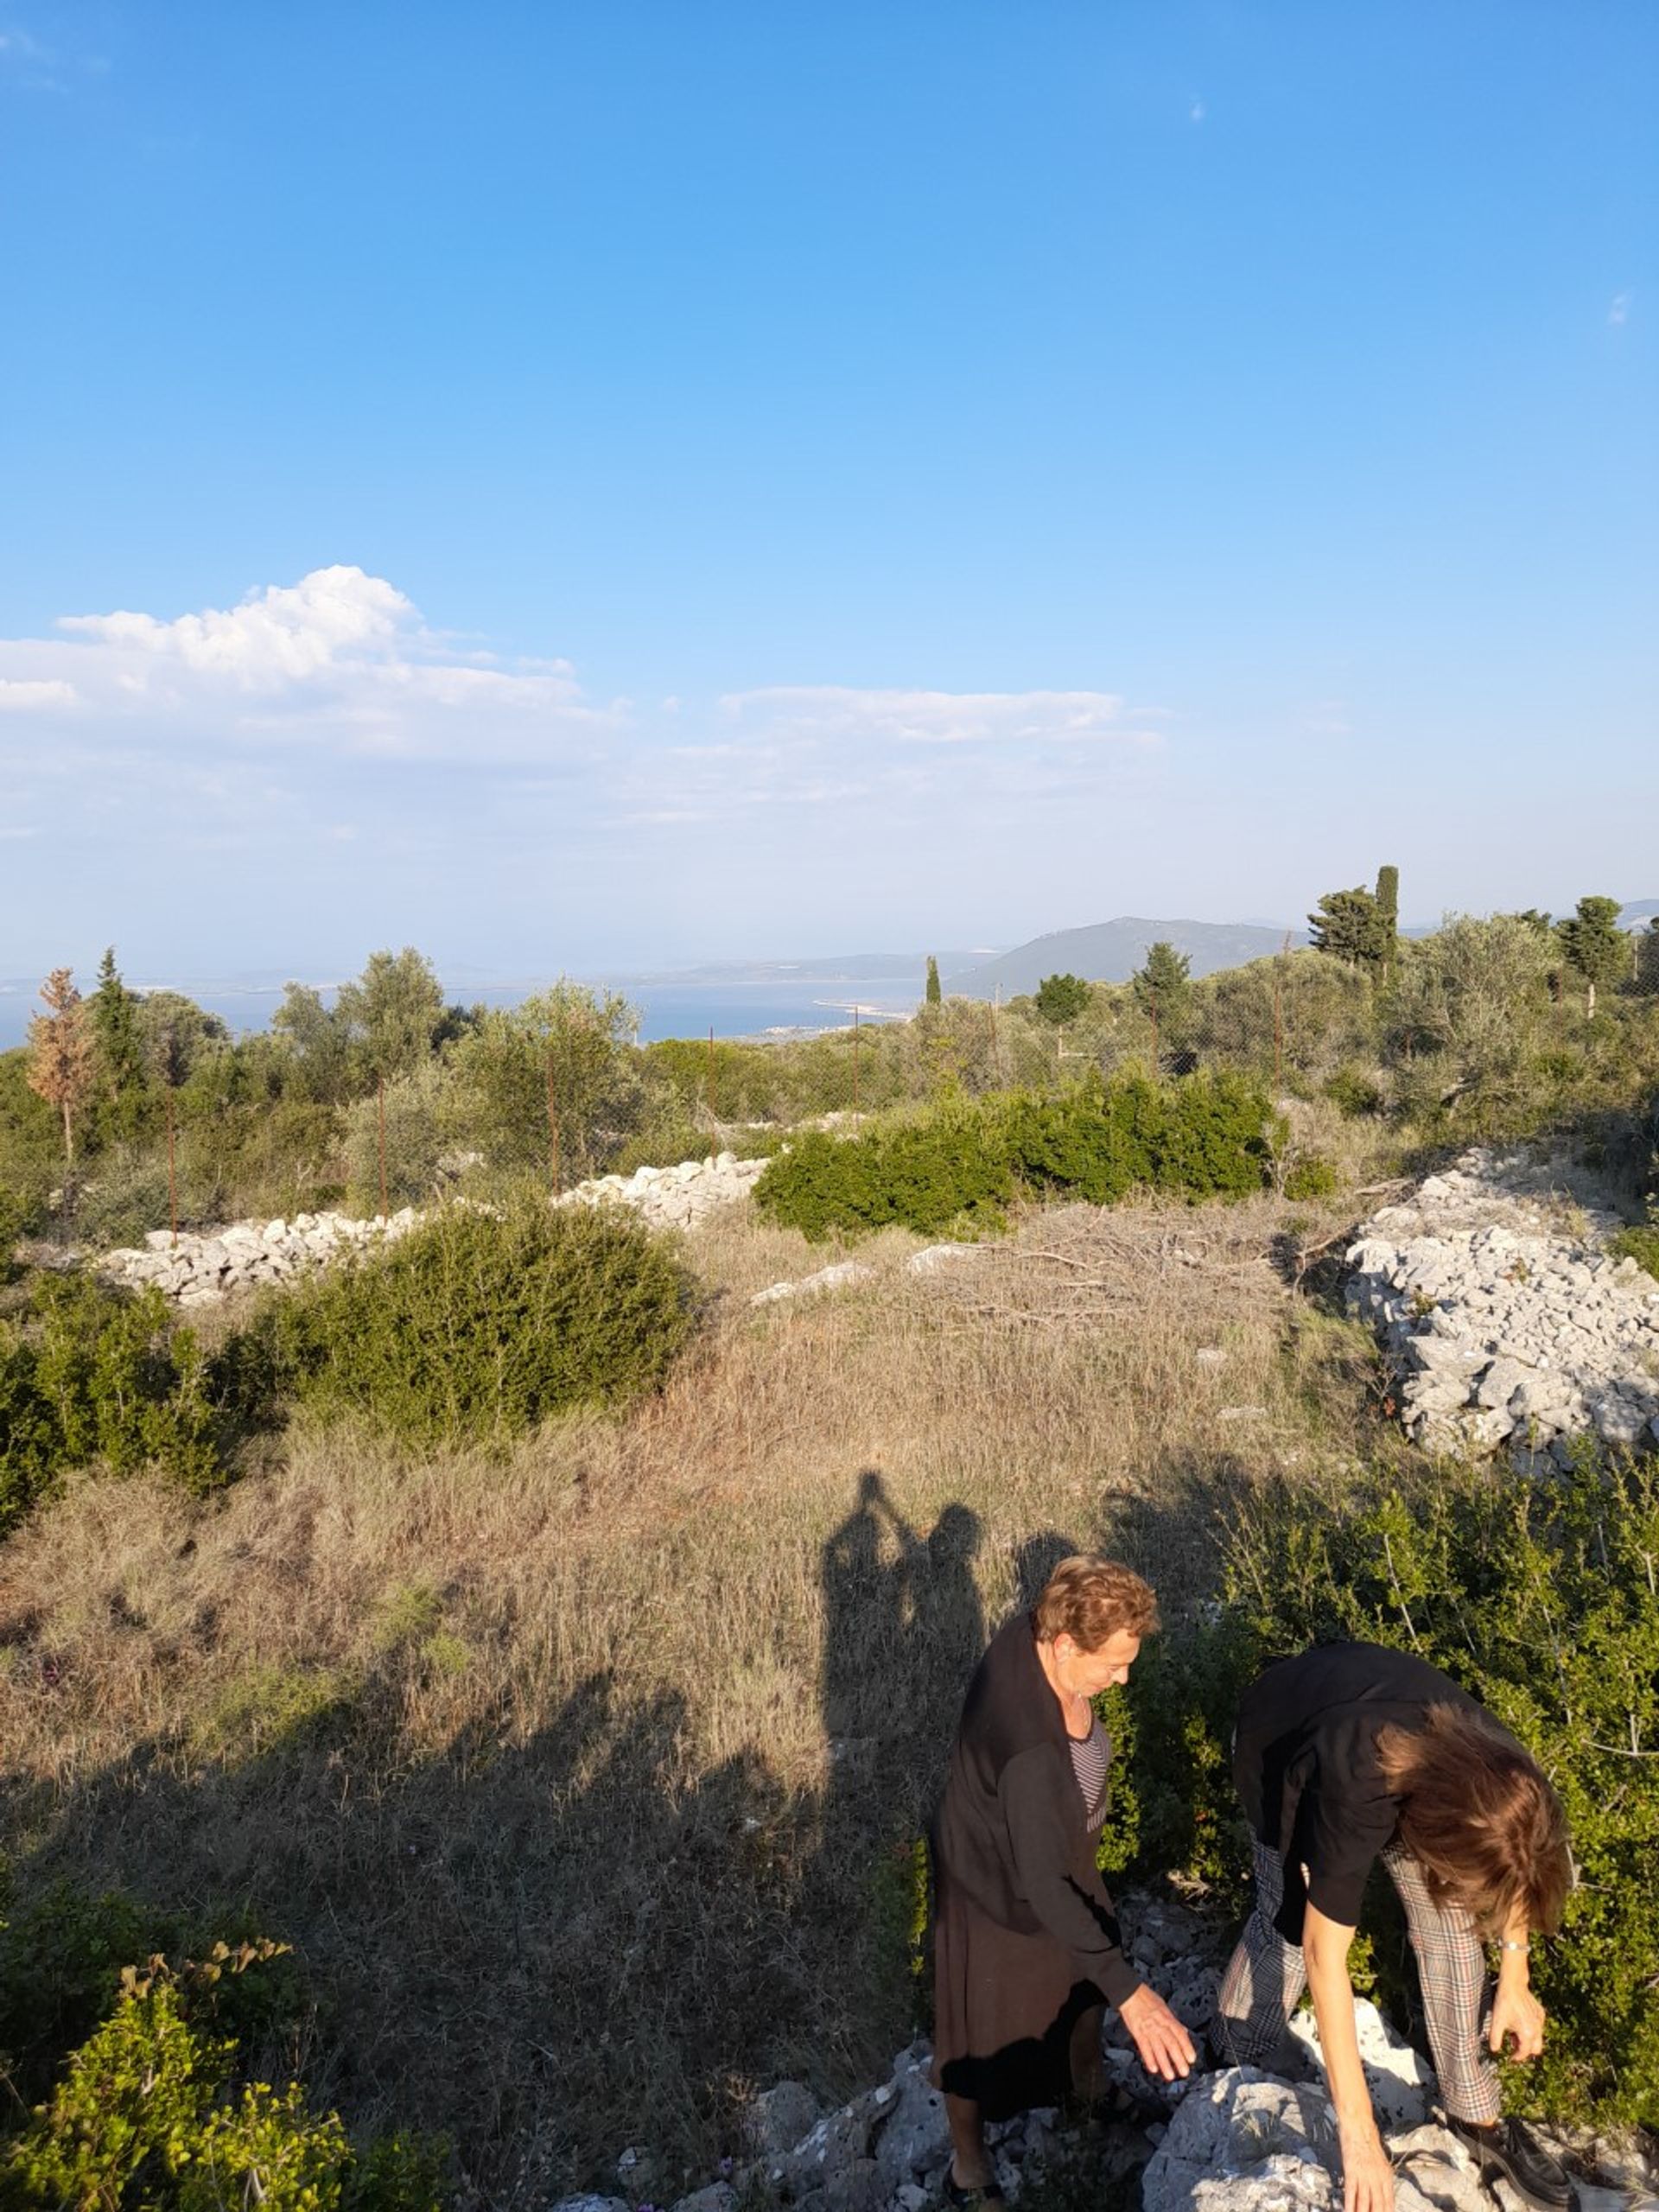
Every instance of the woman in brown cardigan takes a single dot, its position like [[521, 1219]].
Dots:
[[1026, 1945]]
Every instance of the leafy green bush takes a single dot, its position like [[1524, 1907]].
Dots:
[[476, 1326], [1353, 1093], [100, 1375], [1541, 1601], [964, 1162], [1641, 1245], [1313, 1176], [149, 2116], [412, 1117], [14, 1222]]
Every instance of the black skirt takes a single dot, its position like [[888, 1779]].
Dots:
[[1005, 2006]]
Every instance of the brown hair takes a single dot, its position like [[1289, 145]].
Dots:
[[1090, 1599], [1480, 1819]]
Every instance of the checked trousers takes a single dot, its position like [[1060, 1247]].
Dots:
[[1266, 1976]]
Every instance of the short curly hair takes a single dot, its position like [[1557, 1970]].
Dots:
[[1090, 1599]]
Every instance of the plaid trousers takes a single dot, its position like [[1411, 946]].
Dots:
[[1266, 1975]]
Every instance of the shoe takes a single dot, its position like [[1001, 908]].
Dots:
[[1510, 2147], [990, 2192]]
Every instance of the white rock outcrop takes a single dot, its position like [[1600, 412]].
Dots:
[[674, 1198], [1505, 1317]]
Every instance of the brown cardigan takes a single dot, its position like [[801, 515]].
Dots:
[[1009, 1833]]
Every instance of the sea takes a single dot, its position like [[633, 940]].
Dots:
[[763, 1009]]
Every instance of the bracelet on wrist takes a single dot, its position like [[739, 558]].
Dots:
[[1505, 1944]]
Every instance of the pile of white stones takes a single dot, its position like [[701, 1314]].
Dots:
[[1506, 1319], [1237, 2140], [198, 1269], [674, 1198]]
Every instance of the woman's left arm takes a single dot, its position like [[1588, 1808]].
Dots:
[[1515, 2012]]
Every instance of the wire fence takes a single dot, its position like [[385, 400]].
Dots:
[[248, 1129]]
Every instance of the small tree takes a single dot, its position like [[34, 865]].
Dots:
[[1061, 999], [558, 1072], [1387, 916], [1164, 984], [1348, 924], [62, 1057], [1594, 947], [394, 1013], [121, 1081], [935, 995]]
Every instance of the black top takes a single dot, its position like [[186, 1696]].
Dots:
[[1306, 1763], [1007, 1835]]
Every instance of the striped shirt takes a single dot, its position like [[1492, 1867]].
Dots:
[[1091, 1756]]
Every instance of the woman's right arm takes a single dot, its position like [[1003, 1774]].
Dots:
[[1367, 2175]]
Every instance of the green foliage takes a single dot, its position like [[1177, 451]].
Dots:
[[1352, 927], [405, 1127], [123, 1082], [1181, 1813], [1595, 949], [934, 995], [1061, 999], [102, 1375], [1162, 986], [14, 1222], [928, 1172], [149, 2116], [1353, 1093], [1311, 1177], [393, 1015], [1639, 1245], [1543, 1602], [476, 1326], [964, 1163], [556, 1078], [1388, 913]]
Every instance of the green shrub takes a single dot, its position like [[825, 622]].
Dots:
[[1313, 1176], [411, 1118], [14, 1222], [100, 1375], [1641, 1245], [1353, 1093], [149, 2116], [1541, 1601], [476, 1326], [964, 1162]]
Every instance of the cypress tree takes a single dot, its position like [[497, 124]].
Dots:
[[935, 994], [1388, 916], [120, 1050]]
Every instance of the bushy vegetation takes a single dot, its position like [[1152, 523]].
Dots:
[[964, 1162], [478, 1325], [95, 1375], [1540, 1600], [146, 2103]]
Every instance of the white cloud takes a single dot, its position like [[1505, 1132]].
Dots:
[[938, 717], [1618, 312], [340, 659], [23, 695], [1195, 113]]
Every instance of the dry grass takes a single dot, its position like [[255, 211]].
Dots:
[[579, 1781]]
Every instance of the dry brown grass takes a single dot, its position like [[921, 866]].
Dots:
[[579, 1781]]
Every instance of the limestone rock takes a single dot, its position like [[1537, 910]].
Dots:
[[779, 2118]]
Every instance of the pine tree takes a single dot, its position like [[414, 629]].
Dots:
[[1348, 926], [62, 1063], [113, 1009], [1594, 945], [1061, 999], [935, 994], [1164, 982]]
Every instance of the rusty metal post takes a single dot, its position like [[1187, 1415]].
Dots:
[[1151, 998], [854, 1056], [385, 1211], [555, 1162], [711, 1070], [1278, 1021], [172, 1170]]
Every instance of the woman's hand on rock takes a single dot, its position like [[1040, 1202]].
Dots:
[[1367, 2174], [1165, 2047]]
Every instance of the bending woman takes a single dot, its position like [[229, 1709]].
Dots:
[[1026, 1946], [1350, 1753]]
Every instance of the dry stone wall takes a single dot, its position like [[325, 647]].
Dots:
[[1506, 1321]]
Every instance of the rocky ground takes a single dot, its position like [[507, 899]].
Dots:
[[1507, 1320], [1238, 2140]]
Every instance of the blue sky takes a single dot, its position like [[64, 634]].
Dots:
[[565, 484]]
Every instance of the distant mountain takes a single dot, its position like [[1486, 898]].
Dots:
[[1109, 952], [1639, 913]]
